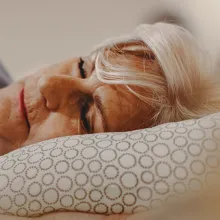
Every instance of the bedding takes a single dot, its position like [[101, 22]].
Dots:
[[111, 172], [5, 78]]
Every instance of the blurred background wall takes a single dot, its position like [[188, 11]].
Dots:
[[38, 32]]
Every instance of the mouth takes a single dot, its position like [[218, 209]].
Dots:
[[23, 108]]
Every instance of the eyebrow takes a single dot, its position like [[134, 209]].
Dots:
[[99, 105]]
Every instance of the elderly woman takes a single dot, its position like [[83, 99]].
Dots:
[[155, 75]]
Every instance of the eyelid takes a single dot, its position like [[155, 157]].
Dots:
[[83, 118], [82, 71]]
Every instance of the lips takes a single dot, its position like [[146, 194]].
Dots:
[[23, 108]]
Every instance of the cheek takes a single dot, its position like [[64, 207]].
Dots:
[[56, 125]]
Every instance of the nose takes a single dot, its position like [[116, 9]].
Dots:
[[57, 90]]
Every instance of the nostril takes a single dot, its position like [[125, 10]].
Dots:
[[47, 90]]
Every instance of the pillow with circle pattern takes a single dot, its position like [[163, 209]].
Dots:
[[110, 172]]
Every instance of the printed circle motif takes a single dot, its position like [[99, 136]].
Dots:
[[34, 206], [88, 142], [66, 201], [17, 184], [71, 154], [8, 164], [50, 196], [83, 207], [180, 173], [48, 146], [144, 193], [179, 188], [194, 149], [46, 163], [180, 141], [78, 164], [117, 208], [95, 195], [22, 212], [35, 157], [129, 180], [108, 155], [80, 194], [160, 150], [34, 189], [23, 156], [139, 208], [5, 202], [62, 167], [129, 199], [113, 191], [147, 177], [48, 209], [146, 161], [127, 161], [140, 147], [163, 170], [181, 130], [97, 180], [47, 179], [19, 168], [197, 167], [101, 136], [4, 181], [196, 134], [166, 135], [101, 208], [89, 152], [81, 179], [151, 137], [20, 200], [136, 136], [119, 137], [111, 172], [161, 187], [33, 148], [179, 156], [71, 143], [104, 143], [64, 183], [123, 146], [206, 123], [56, 152], [94, 166], [31, 172]]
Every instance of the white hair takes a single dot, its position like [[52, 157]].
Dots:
[[185, 87]]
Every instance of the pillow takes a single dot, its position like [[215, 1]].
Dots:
[[110, 172]]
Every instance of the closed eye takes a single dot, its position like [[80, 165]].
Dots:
[[81, 69], [84, 119]]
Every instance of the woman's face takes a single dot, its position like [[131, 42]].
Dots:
[[65, 99]]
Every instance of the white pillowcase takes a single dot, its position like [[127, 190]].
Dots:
[[110, 172]]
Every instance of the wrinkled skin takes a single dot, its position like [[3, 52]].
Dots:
[[54, 97]]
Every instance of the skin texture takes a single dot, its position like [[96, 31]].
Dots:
[[54, 97]]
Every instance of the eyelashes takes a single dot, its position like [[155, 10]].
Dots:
[[84, 107], [81, 69], [84, 119]]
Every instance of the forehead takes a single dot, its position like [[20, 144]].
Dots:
[[124, 111]]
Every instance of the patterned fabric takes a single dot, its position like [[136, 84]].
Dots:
[[110, 172]]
